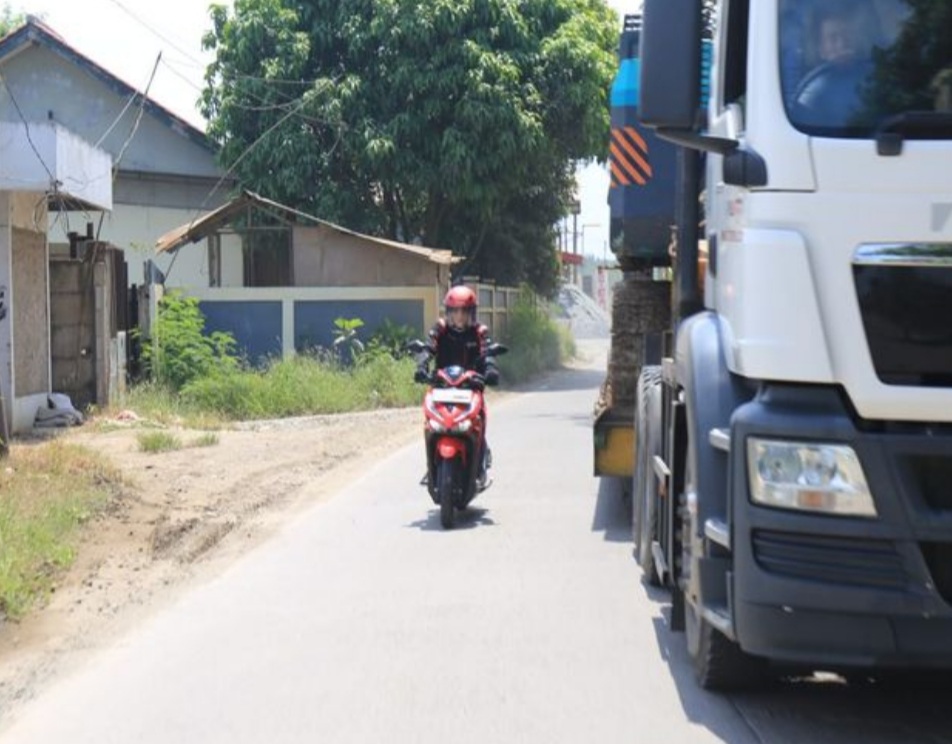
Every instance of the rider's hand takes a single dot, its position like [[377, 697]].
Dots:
[[421, 375], [491, 377]]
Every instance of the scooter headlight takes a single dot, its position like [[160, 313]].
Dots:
[[435, 426], [814, 477]]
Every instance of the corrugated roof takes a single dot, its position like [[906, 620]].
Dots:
[[209, 223]]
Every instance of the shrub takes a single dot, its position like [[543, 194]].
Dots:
[[306, 385], [535, 340], [182, 352]]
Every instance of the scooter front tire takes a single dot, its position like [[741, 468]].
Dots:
[[446, 480]]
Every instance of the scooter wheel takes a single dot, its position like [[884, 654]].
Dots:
[[446, 479]]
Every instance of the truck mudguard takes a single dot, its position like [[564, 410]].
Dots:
[[712, 394]]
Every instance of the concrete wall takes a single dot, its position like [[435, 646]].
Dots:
[[24, 332], [73, 343], [282, 321], [84, 347], [31, 347]]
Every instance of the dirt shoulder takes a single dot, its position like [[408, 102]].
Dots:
[[184, 515]]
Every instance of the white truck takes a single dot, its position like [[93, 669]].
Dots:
[[793, 474]]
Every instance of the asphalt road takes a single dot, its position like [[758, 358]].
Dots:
[[363, 621]]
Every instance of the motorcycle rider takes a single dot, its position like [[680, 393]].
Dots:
[[458, 338]]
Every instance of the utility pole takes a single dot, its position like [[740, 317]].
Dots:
[[576, 209]]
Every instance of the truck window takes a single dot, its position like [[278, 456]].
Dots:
[[846, 66]]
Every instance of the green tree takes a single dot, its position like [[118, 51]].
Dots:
[[10, 20], [907, 74], [453, 123]]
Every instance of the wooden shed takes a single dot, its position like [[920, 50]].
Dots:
[[277, 278]]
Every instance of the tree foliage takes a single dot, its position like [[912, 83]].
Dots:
[[452, 123], [908, 76], [10, 20]]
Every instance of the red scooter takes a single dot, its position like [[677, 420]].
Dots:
[[454, 433]]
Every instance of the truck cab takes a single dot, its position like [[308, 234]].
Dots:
[[807, 407]]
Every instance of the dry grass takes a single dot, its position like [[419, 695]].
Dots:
[[48, 491]]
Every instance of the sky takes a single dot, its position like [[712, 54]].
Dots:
[[126, 37]]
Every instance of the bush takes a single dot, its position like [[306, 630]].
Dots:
[[306, 385], [536, 342], [182, 352]]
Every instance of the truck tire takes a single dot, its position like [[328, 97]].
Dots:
[[719, 663], [648, 442]]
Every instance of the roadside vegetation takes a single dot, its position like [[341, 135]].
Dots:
[[537, 342], [198, 380], [50, 490]]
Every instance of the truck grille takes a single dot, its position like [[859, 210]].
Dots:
[[837, 560], [905, 298]]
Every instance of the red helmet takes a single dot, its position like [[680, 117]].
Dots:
[[460, 297]]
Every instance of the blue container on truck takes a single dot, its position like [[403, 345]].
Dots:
[[642, 166]]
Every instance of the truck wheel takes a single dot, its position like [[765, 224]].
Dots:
[[644, 512], [719, 663]]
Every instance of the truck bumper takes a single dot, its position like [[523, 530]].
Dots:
[[843, 591], [835, 640]]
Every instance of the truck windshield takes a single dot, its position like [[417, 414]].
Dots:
[[850, 68]]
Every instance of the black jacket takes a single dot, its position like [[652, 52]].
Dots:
[[465, 348]]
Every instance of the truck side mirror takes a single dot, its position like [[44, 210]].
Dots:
[[671, 64]]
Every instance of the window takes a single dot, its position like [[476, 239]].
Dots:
[[267, 257], [848, 66]]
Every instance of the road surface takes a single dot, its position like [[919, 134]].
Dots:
[[363, 621]]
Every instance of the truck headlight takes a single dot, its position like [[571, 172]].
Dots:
[[825, 478]]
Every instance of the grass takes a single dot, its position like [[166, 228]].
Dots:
[[157, 405], [158, 441], [163, 441], [209, 439], [305, 385], [48, 491]]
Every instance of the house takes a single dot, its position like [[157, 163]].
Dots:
[[165, 170], [278, 278], [92, 169], [46, 168]]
